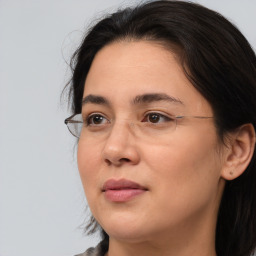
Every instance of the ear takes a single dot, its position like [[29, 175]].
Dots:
[[239, 152]]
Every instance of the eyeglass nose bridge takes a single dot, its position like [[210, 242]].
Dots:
[[129, 123]]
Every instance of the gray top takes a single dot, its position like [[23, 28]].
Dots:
[[94, 251]]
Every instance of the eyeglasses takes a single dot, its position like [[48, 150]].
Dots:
[[153, 125]]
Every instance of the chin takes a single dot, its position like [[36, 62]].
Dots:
[[126, 234], [123, 227]]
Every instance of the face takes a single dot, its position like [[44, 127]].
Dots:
[[144, 175]]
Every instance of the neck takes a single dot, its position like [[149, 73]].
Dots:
[[193, 239], [153, 249], [175, 245]]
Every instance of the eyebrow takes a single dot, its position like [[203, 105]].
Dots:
[[152, 97], [95, 99], [140, 99]]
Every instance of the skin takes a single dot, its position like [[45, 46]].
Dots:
[[182, 170]]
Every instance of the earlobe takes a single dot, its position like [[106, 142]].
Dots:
[[239, 152]]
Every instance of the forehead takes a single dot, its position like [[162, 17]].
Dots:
[[122, 70]]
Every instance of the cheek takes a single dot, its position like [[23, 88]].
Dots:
[[88, 160], [187, 168]]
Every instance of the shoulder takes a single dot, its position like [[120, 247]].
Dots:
[[90, 252], [94, 251]]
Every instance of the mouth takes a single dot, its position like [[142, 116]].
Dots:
[[122, 190]]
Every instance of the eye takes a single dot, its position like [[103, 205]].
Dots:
[[156, 118], [96, 120]]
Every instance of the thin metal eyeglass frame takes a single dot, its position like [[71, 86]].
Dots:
[[70, 121]]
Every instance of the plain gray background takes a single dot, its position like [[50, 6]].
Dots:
[[42, 205]]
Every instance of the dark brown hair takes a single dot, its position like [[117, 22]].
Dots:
[[220, 64]]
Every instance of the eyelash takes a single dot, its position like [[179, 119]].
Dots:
[[88, 119], [160, 115]]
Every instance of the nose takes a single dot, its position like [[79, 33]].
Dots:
[[120, 147]]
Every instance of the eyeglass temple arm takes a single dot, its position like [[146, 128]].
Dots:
[[72, 121], [200, 117], [69, 120]]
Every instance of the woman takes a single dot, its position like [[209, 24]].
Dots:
[[163, 99]]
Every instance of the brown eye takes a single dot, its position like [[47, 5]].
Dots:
[[156, 118], [96, 119], [153, 118]]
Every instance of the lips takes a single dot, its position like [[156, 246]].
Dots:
[[122, 190]]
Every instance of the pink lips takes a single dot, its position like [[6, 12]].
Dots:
[[122, 190]]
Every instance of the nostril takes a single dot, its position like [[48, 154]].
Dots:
[[124, 160], [108, 162], [118, 162]]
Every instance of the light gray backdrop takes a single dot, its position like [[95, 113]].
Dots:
[[42, 203]]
